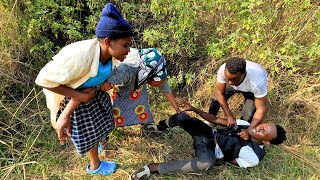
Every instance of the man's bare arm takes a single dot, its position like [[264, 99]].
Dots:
[[261, 111], [210, 117], [221, 88]]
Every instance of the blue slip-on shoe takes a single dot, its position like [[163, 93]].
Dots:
[[104, 169]]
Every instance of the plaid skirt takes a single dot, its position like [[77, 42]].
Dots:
[[91, 122]]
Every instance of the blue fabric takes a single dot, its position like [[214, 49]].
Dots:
[[131, 106], [104, 72], [111, 24]]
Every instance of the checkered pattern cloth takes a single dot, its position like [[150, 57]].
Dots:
[[91, 122]]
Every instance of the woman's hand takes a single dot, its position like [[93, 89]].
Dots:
[[63, 127], [106, 86], [187, 106], [88, 95]]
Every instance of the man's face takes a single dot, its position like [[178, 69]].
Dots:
[[234, 79], [264, 132], [120, 48]]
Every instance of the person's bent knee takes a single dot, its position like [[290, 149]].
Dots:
[[206, 163], [247, 113], [214, 106], [181, 116], [247, 116], [179, 119]]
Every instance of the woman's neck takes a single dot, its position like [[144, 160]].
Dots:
[[104, 61], [104, 56]]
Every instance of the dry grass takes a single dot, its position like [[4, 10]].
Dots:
[[30, 149], [7, 66]]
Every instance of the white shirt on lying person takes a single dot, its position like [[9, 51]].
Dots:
[[247, 156]]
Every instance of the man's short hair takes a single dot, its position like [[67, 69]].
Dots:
[[236, 64], [281, 136]]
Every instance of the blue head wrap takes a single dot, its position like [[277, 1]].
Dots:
[[112, 24]]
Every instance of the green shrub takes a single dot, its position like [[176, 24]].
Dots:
[[53, 24]]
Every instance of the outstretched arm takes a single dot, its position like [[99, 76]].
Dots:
[[166, 89], [211, 118], [170, 97], [207, 116]]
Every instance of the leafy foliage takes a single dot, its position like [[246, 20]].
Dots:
[[53, 24], [252, 29]]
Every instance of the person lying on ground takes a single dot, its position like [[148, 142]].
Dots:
[[210, 145]]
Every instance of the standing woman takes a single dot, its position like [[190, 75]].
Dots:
[[70, 84]]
